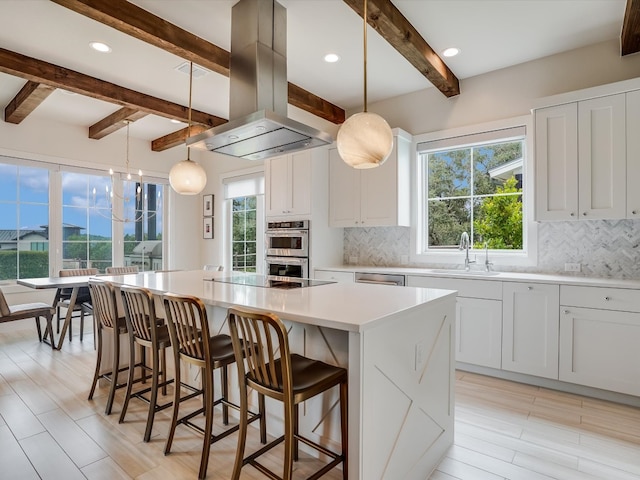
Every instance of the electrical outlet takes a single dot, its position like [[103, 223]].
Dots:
[[572, 267], [353, 260]]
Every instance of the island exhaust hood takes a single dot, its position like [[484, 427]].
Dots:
[[258, 126]]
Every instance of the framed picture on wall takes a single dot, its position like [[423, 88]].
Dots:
[[207, 205], [207, 227]]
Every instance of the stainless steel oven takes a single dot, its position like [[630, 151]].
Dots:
[[287, 239], [295, 267]]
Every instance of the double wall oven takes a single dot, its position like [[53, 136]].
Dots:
[[287, 249]]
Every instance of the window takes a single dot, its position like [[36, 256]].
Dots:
[[143, 226], [244, 240], [24, 222], [87, 240], [244, 244], [474, 183]]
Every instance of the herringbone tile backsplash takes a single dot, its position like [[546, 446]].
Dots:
[[604, 248]]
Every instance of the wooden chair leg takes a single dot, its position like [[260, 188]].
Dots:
[[81, 322], [163, 371], [114, 371], [153, 400], [263, 419], [224, 380], [132, 362], [242, 431], [96, 375], [344, 427], [287, 467], [176, 403], [37, 319], [296, 413], [208, 424]]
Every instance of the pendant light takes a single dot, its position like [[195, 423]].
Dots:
[[187, 177], [365, 139]]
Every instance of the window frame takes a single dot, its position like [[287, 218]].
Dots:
[[527, 256], [55, 210]]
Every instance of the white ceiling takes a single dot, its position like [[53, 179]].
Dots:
[[492, 34]]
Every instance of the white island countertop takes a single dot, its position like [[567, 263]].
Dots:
[[350, 307]]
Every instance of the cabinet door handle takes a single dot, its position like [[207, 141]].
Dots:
[[566, 312], [529, 288], [584, 214], [634, 212], [572, 214], [607, 298]]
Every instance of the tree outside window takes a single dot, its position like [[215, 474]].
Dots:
[[476, 189], [244, 240]]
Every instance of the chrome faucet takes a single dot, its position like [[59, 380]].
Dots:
[[487, 263], [465, 245]]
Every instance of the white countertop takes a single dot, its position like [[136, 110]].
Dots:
[[343, 306], [494, 276]]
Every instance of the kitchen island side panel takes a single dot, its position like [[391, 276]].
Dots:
[[408, 393]]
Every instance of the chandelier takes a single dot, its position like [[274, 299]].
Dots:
[[127, 197]]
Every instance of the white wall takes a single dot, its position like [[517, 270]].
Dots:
[[509, 92]]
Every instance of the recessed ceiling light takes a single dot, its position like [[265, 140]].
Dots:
[[451, 52], [331, 58], [100, 47]]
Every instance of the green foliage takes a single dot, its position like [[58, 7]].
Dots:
[[499, 219], [451, 199], [32, 264]]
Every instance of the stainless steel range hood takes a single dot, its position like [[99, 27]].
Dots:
[[258, 126]]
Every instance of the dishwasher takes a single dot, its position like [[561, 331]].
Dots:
[[380, 278]]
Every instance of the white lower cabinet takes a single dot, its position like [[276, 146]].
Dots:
[[599, 346], [478, 317], [530, 325], [479, 331], [334, 276]]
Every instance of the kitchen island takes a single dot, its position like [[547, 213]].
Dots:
[[397, 344]]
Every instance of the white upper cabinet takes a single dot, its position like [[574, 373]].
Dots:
[[602, 158], [556, 130], [581, 159], [288, 185], [633, 154], [373, 197]]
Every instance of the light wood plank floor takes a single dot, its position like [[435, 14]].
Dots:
[[504, 430]]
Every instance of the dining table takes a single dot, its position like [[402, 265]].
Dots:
[[75, 283]]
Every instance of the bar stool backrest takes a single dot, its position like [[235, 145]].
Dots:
[[103, 298], [261, 338], [122, 270], [140, 312], [78, 272], [188, 326]]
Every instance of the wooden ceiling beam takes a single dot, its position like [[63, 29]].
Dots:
[[176, 138], [389, 22], [630, 37], [143, 25], [115, 122], [55, 76], [26, 101]]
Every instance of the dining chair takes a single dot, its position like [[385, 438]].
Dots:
[[83, 301], [192, 343], [36, 310], [272, 370], [122, 270], [105, 311], [150, 334]]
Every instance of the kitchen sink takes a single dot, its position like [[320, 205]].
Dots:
[[475, 273]]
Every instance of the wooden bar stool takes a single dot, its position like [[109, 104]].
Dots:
[[105, 311], [289, 378], [189, 330], [83, 302], [150, 334]]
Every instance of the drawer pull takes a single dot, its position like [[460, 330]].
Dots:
[[566, 312], [634, 212], [529, 288], [572, 214], [607, 298]]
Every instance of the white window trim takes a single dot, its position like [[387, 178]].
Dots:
[[228, 177], [528, 257]]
